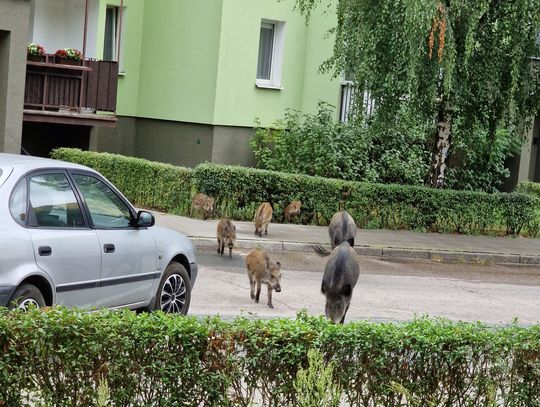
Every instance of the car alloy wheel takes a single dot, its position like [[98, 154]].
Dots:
[[174, 292]]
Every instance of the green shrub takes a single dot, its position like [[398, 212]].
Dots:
[[529, 187], [239, 190], [145, 183], [61, 357]]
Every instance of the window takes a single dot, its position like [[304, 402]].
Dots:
[[53, 203], [113, 29], [106, 209], [271, 45], [17, 203]]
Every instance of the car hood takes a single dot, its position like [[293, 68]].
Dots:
[[171, 242]]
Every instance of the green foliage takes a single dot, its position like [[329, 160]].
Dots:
[[315, 386], [470, 60], [318, 145], [145, 183], [529, 187], [57, 357], [239, 191], [311, 144]]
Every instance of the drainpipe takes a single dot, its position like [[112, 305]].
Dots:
[[85, 33], [119, 32], [84, 74]]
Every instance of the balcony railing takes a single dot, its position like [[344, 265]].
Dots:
[[84, 87]]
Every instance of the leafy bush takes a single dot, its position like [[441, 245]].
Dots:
[[315, 144], [145, 183], [61, 357], [529, 187], [239, 190]]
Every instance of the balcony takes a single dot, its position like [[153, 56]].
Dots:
[[58, 91]]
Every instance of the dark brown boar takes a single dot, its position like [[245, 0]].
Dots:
[[342, 229], [261, 270], [226, 236], [339, 279]]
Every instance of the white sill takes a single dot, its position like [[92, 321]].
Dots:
[[268, 86], [121, 73]]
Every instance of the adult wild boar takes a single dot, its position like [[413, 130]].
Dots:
[[203, 203], [342, 229], [340, 277], [263, 216], [226, 236], [261, 270]]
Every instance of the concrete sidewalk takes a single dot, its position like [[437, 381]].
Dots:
[[378, 243]]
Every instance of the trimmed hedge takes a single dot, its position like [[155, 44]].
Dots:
[[239, 190], [529, 187], [145, 183], [57, 357]]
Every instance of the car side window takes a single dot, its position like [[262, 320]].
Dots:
[[17, 202], [52, 202], [106, 209]]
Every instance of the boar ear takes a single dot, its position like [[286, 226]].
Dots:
[[346, 290], [278, 264]]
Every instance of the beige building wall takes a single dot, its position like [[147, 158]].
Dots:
[[14, 23]]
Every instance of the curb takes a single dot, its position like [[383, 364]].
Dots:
[[438, 255]]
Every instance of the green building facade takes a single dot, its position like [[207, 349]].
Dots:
[[188, 90]]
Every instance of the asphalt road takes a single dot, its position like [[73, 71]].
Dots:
[[386, 290]]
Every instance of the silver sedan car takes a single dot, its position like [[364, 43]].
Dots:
[[69, 237]]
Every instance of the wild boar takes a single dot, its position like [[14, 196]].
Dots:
[[203, 203], [340, 276], [263, 216], [261, 270], [292, 210], [342, 229], [226, 236]]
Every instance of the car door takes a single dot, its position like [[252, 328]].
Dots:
[[128, 267], [65, 247]]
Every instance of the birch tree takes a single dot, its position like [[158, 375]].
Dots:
[[462, 65]]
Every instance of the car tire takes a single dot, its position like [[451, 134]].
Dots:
[[26, 295], [174, 292]]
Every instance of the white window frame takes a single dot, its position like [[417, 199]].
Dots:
[[118, 57], [276, 64]]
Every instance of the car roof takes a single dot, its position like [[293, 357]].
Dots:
[[30, 162]]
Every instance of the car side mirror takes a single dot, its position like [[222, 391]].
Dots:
[[145, 219]]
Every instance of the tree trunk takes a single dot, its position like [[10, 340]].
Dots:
[[443, 137]]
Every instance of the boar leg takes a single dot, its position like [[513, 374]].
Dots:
[[251, 285], [270, 296], [258, 291], [230, 252], [218, 245]]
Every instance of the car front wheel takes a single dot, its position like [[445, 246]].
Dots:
[[27, 295], [174, 291]]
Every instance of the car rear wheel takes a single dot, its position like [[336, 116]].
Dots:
[[27, 295], [174, 291]]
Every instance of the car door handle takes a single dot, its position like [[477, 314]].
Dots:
[[108, 248], [44, 250]]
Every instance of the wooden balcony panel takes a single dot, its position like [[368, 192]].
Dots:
[[71, 89]]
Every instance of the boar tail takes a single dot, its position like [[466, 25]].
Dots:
[[321, 251]]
